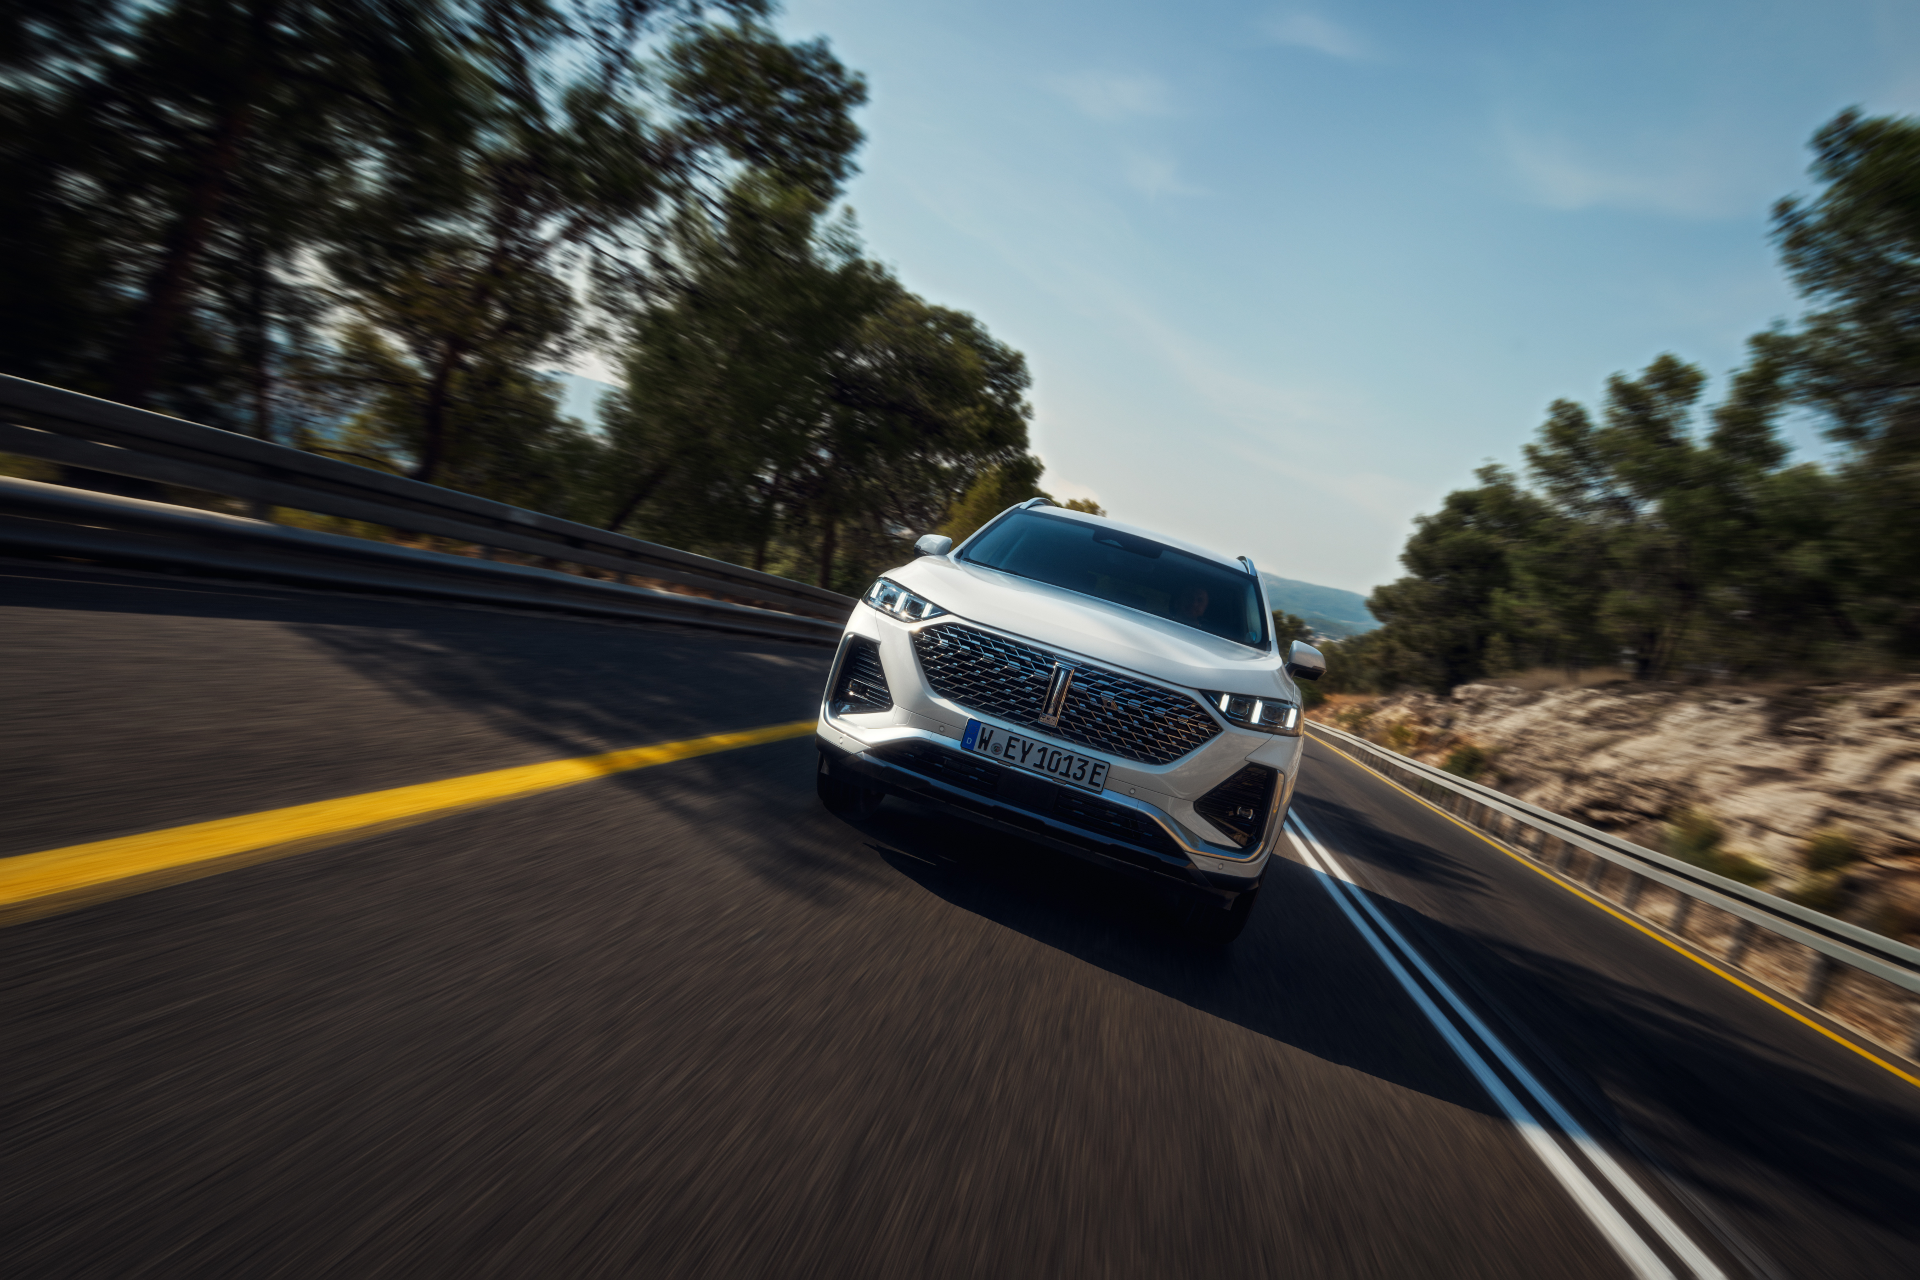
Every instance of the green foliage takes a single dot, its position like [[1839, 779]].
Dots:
[[999, 487], [1287, 628], [1737, 866], [162, 181], [1466, 761], [994, 490], [794, 404], [363, 227], [1821, 892], [1830, 850], [1669, 541], [1439, 618], [1855, 252], [473, 264], [1373, 662], [1695, 836]]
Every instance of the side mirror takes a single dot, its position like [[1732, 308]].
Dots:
[[1304, 662], [932, 544]]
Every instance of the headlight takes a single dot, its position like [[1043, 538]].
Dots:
[[896, 601], [1268, 715]]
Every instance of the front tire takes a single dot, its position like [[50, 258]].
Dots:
[[1209, 926], [845, 795]]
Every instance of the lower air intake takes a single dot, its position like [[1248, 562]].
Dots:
[[862, 682], [1239, 805]]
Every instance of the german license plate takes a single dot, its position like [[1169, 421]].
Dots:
[[1035, 756]]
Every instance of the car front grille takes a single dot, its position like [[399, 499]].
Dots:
[[1104, 709]]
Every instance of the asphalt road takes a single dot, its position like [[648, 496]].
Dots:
[[681, 1022]]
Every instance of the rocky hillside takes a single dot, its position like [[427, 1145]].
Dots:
[[1812, 792]]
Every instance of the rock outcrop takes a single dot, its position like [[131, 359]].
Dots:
[[1775, 767]]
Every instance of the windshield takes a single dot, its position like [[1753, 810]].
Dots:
[[1126, 569]]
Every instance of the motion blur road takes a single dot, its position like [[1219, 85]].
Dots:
[[681, 1022]]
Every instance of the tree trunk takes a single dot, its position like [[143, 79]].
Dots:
[[641, 493], [766, 524], [827, 548], [254, 342], [433, 415], [138, 368]]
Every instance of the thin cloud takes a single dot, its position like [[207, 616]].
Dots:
[[1155, 175], [1100, 95], [1322, 35], [1685, 183]]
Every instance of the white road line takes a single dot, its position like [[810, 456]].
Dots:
[[1627, 1242], [1622, 1182]]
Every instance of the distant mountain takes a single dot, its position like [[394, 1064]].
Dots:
[[1330, 611]]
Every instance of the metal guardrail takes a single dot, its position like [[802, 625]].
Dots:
[[76, 430], [1757, 931]]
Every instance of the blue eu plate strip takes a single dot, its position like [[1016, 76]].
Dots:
[[972, 735]]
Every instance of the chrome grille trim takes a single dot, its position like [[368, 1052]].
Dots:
[[1102, 709]]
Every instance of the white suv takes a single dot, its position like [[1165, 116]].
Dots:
[[1094, 687]]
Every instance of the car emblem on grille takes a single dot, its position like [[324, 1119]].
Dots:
[[1056, 694]]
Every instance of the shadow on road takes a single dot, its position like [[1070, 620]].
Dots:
[[1392, 852], [1738, 1112], [1288, 977]]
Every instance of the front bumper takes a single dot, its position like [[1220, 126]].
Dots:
[[1144, 821]]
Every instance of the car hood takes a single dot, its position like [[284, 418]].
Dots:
[[1100, 632]]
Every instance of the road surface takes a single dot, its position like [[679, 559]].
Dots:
[[682, 1022]]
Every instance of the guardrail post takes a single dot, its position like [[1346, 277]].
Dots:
[[1680, 914], [1819, 978], [1636, 884], [1597, 873], [1742, 939], [1566, 857]]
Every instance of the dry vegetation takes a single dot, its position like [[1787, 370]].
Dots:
[[1809, 791]]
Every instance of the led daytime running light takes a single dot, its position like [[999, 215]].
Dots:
[[1267, 715], [894, 600]]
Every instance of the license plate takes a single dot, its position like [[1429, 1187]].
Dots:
[[1035, 756]]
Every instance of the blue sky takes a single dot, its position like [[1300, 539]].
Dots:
[[1285, 276]]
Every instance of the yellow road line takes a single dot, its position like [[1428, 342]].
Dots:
[[39, 884], [1624, 918]]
